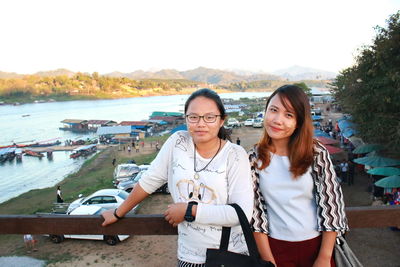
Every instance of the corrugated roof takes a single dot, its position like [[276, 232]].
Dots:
[[137, 123], [100, 121], [73, 121], [168, 119], [113, 130], [164, 113]]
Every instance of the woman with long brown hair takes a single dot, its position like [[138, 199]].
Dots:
[[299, 208]]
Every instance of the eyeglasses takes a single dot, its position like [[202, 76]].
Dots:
[[208, 118]]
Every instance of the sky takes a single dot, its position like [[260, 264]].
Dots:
[[254, 35]]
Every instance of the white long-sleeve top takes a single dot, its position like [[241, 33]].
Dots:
[[227, 179]]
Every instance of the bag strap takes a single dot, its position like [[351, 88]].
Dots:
[[247, 232]]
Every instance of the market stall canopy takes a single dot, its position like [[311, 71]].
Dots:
[[356, 141], [349, 132], [326, 141], [389, 182], [316, 118], [347, 127], [363, 149], [333, 150], [384, 171], [320, 133], [377, 161]]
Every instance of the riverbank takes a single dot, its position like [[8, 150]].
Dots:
[[145, 93]]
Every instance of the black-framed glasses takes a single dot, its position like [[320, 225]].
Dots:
[[208, 118]]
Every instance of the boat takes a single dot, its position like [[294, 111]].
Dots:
[[33, 153], [83, 151], [7, 154], [56, 143], [18, 154]]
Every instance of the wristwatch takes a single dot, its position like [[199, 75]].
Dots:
[[188, 215], [116, 215]]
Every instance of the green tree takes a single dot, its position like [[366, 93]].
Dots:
[[303, 86], [370, 90]]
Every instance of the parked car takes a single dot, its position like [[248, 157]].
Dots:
[[249, 122], [129, 184], [258, 123], [105, 198], [232, 122], [125, 172], [89, 210]]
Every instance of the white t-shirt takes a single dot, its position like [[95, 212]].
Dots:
[[291, 207], [227, 179]]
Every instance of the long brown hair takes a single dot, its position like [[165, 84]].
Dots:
[[301, 141]]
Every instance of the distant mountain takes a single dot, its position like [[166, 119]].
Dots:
[[9, 75], [296, 73], [201, 74], [58, 72]]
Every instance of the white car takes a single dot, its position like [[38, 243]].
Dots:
[[105, 198], [249, 122], [90, 210], [232, 122], [258, 123]]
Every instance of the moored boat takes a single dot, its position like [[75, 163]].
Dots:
[[33, 153], [83, 151]]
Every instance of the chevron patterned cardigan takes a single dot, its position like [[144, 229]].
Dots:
[[328, 195]]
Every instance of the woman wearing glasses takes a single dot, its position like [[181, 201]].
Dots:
[[299, 203], [205, 172]]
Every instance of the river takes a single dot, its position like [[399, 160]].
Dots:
[[40, 121]]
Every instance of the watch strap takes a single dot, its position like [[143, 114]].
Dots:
[[188, 215], [116, 215]]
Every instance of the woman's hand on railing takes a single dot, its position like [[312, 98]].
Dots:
[[109, 217], [175, 213]]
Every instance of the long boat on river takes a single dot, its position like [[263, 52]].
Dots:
[[33, 153], [83, 151], [56, 143]]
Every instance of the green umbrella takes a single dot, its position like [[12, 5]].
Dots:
[[363, 149], [389, 182], [384, 171], [377, 161]]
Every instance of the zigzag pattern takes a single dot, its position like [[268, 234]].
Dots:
[[328, 195]]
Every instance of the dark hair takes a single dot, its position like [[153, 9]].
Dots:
[[210, 94], [301, 143]]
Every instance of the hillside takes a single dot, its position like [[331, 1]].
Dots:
[[296, 73]]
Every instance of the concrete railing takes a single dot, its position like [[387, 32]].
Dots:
[[359, 217]]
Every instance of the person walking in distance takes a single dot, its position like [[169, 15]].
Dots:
[[238, 141], [344, 169], [59, 195]]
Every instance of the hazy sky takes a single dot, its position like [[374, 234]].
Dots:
[[106, 36]]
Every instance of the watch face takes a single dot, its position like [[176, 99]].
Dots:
[[189, 218]]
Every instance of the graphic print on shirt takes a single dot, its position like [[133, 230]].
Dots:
[[181, 143], [190, 190]]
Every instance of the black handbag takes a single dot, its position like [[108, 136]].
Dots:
[[223, 258]]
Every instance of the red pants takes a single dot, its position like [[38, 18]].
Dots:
[[296, 254]]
